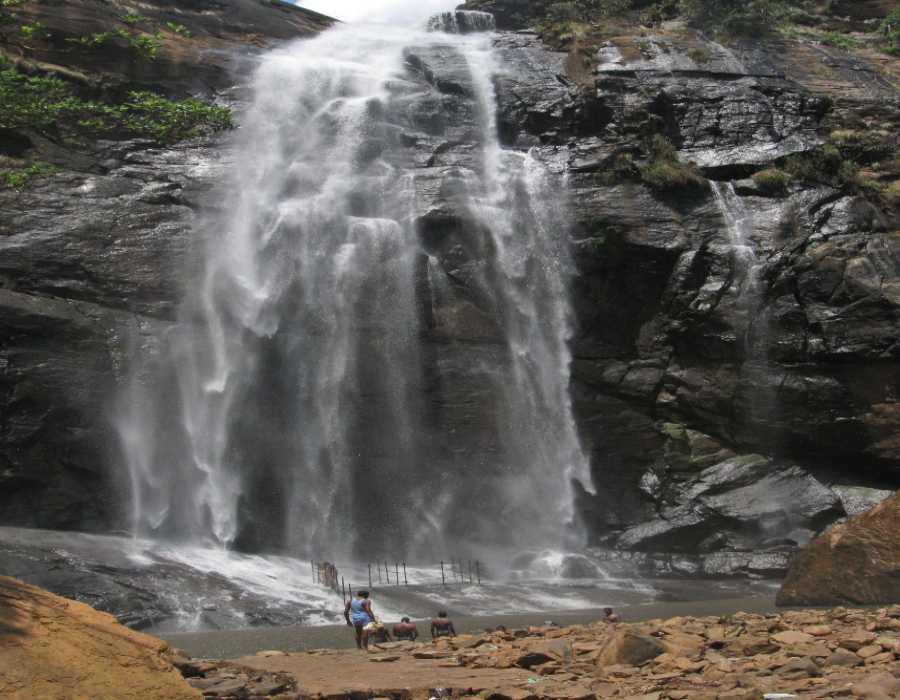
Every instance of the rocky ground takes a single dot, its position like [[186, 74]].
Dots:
[[57, 649], [809, 654]]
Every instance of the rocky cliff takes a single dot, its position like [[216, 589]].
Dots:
[[737, 249], [92, 256], [735, 243]]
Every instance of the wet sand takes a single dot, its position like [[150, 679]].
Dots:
[[230, 644]]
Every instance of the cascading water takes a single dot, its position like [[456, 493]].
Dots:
[[302, 422], [461, 22]]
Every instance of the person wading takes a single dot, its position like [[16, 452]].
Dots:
[[358, 613]]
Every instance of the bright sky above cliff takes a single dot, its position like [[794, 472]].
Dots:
[[378, 10]]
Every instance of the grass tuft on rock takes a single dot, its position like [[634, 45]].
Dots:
[[665, 172], [19, 178], [772, 181]]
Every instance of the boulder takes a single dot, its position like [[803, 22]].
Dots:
[[843, 657], [800, 667], [629, 648], [853, 562], [56, 649], [876, 687]]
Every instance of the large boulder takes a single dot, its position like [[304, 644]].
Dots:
[[854, 562], [53, 648], [630, 648]]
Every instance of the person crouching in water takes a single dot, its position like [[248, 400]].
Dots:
[[358, 613], [441, 626], [405, 630]]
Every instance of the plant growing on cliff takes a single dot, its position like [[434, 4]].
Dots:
[[890, 31], [772, 181], [178, 29], [748, 17], [145, 45], [34, 30], [18, 178], [47, 104], [665, 172]]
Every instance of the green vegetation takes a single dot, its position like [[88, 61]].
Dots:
[[7, 17], [843, 162], [33, 31], [622, 168], [178, 29], [890, 31], [132, 18], [48, 104], [18, 178], [664, 172], [699, 56], [841, 41], [772, 181], [145, 45]]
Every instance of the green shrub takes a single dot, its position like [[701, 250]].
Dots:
[[664, 172], [178, 29], [47, 104], [18, 178], [890, 31], [864, 147], [841, 41], [700, 56], [132, 18], [33, 31], [145, 45], [621, 169], [772, 180], [747, 17], [825, 164]]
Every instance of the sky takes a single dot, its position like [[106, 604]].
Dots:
[[378, 10]]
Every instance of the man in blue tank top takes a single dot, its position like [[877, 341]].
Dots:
[[358, 613]]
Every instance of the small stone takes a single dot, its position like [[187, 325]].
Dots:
[[383, 658], [800, 667], [843, 657], [888, 643], [741, 694], [857, 640], [876, 686], [867, 651], [227, 687], [818, 630], [882, 658], [792, 637], [270, 687], [270, 653]]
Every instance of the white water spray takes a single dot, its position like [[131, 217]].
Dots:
[[299, 356]]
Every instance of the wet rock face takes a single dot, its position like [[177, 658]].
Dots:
[[709, 406]]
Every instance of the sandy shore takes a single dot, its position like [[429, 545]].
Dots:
[[229, 644]]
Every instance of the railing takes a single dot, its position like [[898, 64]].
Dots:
[[453, 572]]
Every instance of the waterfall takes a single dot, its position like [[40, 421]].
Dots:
[[462, 22], [740, 226], [297, 416]]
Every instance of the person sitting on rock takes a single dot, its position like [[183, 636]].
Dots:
[[442, 626], [405, 630], [609, 616], [358, 613], [379, 634]]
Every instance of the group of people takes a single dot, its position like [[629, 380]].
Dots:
[[359, 614]]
